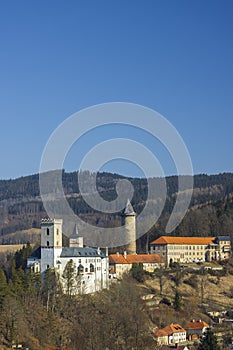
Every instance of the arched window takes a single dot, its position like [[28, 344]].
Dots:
[[47, 243], [92, 268], [47, 230], [80, 269]]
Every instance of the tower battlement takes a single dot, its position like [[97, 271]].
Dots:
[[46, 221]]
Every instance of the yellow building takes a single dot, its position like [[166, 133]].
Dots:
[[119, 264], [191, 249]]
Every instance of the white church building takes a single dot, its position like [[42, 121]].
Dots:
[[91, 266]]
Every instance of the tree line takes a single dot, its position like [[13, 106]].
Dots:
[[35, 312]]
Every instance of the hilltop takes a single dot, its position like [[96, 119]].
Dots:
[[210, 212]]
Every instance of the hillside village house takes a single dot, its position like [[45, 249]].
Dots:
[[122, 263], [171, 335], [196, 329], [191, 249], [90, 263]]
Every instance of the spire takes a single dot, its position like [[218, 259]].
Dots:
[[75, 233], [75, 240], [129, 209]]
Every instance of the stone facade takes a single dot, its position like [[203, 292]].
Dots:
[[91, 265]]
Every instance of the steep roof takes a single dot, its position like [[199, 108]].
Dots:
[[69, 252], [75, 233], [169, 330], [129, 209], [198, 325], [134, 258], [36, 253], [183, 240]]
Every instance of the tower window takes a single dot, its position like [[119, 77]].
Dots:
[[47, 266], [57, 232], [47, 231], [47, 243]]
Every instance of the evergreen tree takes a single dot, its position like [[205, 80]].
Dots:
[[51, 288], [3, 286], [177, 301], [138, 272], [209, 342], [17, 281], [69, 276]]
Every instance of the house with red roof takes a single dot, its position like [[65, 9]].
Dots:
[[196, 329], [171, 335], [122, 263]]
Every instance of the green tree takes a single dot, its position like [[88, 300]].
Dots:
[[177, 301], [51, 288], [137, 272], [209, 342], [160, 273], [22, 255], [69, 276], [17, 281], [3, 286]]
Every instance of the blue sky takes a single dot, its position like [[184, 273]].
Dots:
[[58, 57]]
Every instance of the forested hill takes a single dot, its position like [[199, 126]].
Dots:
[[210, 209]]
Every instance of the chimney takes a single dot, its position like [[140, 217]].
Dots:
[[98, 250], [106, 251], [117, 254], [125, 254]]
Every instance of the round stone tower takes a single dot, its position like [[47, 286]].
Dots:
[[129, 221]]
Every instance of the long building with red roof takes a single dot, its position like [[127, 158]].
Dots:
[[122, 263], [191, 249]]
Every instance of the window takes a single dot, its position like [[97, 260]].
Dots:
[[57, 232], [47, 243], [47, 266], [80, 269], [92, 268], [86, 269], [47, 230]]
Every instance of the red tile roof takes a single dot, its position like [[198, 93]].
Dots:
[[135, 258], [168, 330], [183, 240], [198, 325]]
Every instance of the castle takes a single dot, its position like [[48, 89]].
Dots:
[[91, 264]]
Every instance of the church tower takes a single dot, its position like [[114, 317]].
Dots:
[[51, 243], [75, 239], [129, 221]]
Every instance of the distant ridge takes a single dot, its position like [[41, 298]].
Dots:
[[211, 208]]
